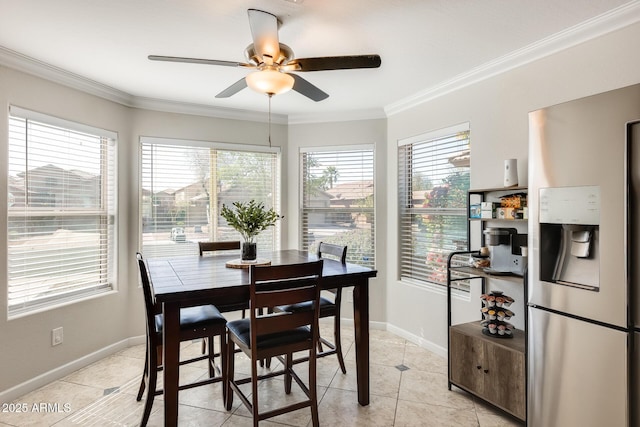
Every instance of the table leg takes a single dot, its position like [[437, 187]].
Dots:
[[361, 324], [171, 358]]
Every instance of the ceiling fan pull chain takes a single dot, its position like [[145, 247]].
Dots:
[[270, 96]]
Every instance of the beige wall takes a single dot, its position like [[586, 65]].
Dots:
[[497, 110]]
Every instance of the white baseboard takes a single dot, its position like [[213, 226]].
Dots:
[[380, 326], [419, 341], [429, 345], [15, 392]]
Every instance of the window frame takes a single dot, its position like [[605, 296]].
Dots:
[[105, 213], [217, 147], [406, 209], [305, 210]]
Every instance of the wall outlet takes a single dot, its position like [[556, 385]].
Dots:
[[56, 336]]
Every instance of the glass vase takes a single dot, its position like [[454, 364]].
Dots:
[[249, 251]]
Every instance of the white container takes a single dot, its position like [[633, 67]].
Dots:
[[511, 172]]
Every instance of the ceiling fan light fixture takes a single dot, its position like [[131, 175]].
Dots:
[[270, 82]]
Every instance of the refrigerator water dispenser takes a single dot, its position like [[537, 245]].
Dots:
[[569, 236]]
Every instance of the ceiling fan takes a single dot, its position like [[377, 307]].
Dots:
[[273, 62]]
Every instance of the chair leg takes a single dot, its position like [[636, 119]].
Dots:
[[338, 342], [313, 388], [336, 331], [151, 392], [212, 358], [288, 359], [223, 363], [266, 363], [229, 374], [204, 345], [143, 383], [254, 393]]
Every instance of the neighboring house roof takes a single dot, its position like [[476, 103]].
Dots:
[[354, 190], [53, 170], [195, 187], [321, 194]]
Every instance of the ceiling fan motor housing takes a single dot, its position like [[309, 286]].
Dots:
[[285, 55]]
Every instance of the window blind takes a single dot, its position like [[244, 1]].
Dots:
[[61, 211], [185, 183], [433, 184], [338, 201]]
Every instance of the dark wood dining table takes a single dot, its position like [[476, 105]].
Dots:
[[194, 280]]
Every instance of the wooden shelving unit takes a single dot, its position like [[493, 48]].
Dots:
[[491, 368]]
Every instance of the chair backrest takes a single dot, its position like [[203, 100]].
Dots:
[[218, 246], [149, 296], [339, 251], [272, 286]]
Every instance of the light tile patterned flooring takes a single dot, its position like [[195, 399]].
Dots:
[[408, 388]]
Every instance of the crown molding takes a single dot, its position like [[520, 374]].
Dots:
[[26, 64], [337, 116], [613, 20], [207, 110]]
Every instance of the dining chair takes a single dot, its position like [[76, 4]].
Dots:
[[328, 307], [195, 322], [205, 247], [268, 334], [219, 246]]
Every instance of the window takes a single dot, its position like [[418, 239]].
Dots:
[[338, 201], [61, 211], [185, 183], [433, 184]]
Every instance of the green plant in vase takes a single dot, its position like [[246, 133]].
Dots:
[[249, 219]]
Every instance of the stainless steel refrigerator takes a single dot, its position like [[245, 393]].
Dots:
[[584, 262]]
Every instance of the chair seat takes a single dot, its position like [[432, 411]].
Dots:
[[242, 329], [307, 305], [196, 317]]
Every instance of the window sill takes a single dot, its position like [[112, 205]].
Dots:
[[36, 309]]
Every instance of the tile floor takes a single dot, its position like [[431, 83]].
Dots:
[[408, 388]]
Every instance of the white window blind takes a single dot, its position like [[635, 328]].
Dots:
[[338, 201], [433, 184], [61, 211], [185, 183]]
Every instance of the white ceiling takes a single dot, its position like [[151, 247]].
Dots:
[[424, 44]]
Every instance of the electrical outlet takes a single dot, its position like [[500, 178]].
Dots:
[[56, 336]]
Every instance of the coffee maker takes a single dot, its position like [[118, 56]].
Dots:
[[505, 250]]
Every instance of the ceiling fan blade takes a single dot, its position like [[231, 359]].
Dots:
[[307, 89], [198, 61], [334, 63], [233, 89], [264, 30]]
